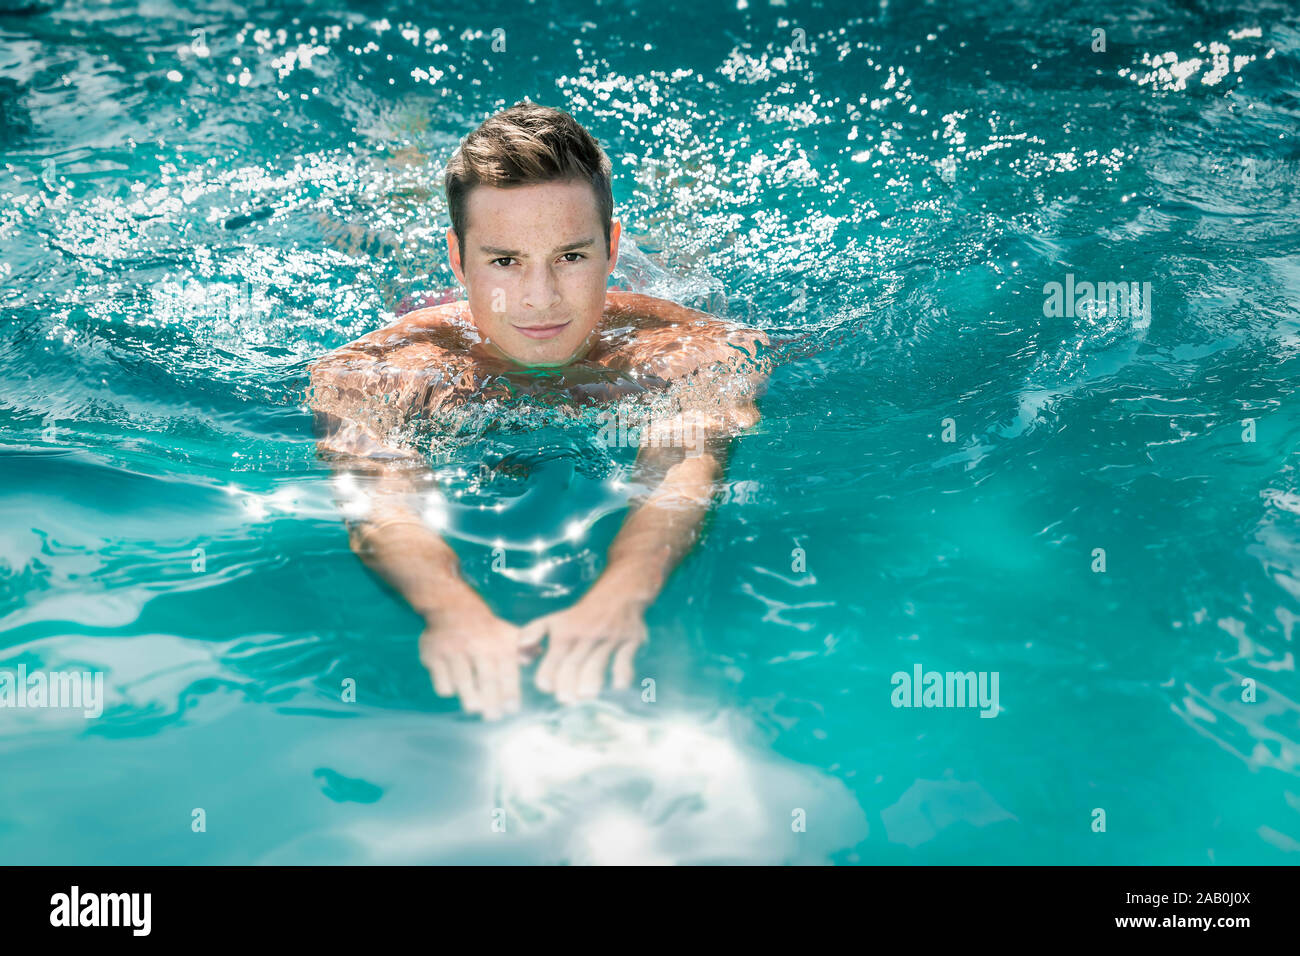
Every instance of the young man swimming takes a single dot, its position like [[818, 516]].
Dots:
[[533, 241]]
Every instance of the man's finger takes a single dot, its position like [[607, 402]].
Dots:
[[591, 673], [489, 688], [442, 685], [568, 671], [556, 652], [624, 665], [508, 682], [462, 672]]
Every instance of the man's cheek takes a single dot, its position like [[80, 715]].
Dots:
[[500, 302], [492, 301]]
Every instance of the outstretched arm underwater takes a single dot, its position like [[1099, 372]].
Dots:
[[680, 465], [469, 651]]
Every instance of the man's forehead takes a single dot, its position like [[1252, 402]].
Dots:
[[542, 217]]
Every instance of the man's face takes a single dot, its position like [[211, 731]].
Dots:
[[535, 266]]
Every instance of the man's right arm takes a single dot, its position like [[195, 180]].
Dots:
[[385, 489]]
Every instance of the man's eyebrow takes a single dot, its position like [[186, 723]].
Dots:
[[515, 253]]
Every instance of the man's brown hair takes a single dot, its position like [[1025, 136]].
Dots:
[[524, 145]]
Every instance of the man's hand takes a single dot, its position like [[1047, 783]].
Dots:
[[581, 642], [474, 655]]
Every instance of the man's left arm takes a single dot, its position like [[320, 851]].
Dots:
[[680, 471]]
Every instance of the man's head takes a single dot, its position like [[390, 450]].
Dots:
[[531, 235]]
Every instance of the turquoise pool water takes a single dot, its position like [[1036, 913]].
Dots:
[[194, 207]]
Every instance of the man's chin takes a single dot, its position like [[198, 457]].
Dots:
[[547, 353], [540, 358]]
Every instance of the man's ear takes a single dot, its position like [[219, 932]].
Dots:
[[615, 230], [453, 255]]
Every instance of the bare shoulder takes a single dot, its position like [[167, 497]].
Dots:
[[408, 364], [411, 341], [448, 313], [673, 341]]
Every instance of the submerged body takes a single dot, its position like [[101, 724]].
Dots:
[[368, 394]]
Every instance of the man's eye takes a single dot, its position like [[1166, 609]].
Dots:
[[576, 255], [503, 261]]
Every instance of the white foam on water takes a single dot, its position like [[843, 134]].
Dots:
[[596, 784]]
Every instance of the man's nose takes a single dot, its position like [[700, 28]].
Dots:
[[540, 289]]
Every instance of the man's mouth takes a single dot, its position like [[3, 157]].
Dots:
[[542, 331]]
